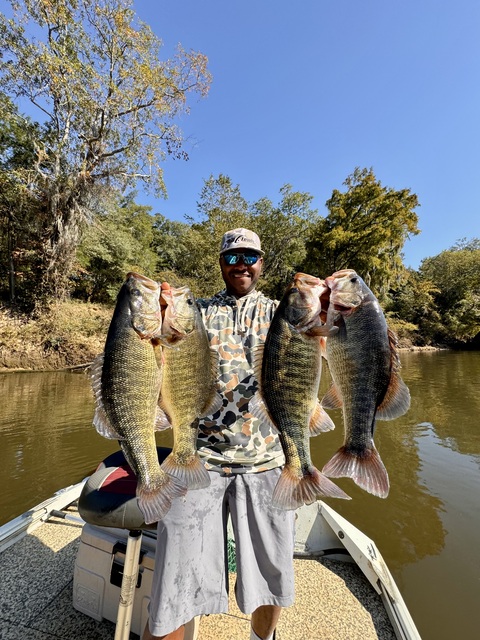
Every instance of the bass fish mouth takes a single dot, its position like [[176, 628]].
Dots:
[[148, 283]]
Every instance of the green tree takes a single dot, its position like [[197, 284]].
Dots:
[[108, 104], [20, 215], [456, 275], [118, 241], [365, 229], [221, 207], [284, 230], [412, 310]]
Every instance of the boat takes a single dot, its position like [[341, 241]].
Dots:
[[65, 574]]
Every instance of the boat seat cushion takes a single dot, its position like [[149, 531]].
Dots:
[[108, 498]]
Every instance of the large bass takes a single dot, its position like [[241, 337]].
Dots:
[[363, 360], [288, 373], [126, 380]]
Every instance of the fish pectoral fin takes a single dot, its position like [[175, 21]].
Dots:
[[320, 421], [101, 421], [332, 399], [103, 425], [396, 401], [162, 421], [258, 408], [214, 404]]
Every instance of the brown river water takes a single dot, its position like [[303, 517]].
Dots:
[[428, 529]]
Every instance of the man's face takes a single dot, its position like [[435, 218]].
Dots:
[[241, 278]]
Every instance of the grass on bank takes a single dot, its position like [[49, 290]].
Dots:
[[71, 333]]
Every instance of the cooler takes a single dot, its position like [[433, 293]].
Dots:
[[99, 570]]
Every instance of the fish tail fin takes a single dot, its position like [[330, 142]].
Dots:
[[155, 499], [366, 470], [191, 473], [292, 490]]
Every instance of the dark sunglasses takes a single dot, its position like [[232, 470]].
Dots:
[[248, 258]]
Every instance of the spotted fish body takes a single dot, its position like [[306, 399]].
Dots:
[[189, 385], [364, 364], [126, 380], [289, 377]]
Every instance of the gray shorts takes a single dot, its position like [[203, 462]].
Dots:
[[191, 566]]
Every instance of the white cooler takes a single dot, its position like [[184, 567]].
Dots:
[[99, 570]]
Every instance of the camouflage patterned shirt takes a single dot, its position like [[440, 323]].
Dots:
[[232, 440]]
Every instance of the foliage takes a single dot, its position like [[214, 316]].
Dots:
[[365, 229], [220, 207], [412, 311], [120, 240], [108, 104], [20, 215], [456, 275], [283, 230]]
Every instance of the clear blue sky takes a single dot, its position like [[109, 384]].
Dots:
[[303, 92]]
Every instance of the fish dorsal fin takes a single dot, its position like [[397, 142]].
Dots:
[[101, 421], [320, 420], [332, 399], [397, 398], [258, 409], [162, 421]]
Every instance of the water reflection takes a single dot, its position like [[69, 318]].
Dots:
[[47, 438]]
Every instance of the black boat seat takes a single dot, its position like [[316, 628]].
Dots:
[[108, 498]]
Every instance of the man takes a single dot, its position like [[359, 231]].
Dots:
[[244, 457]]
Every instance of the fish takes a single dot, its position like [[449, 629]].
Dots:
[[189, 384], [126, 381], [364, 364], [288, 369]]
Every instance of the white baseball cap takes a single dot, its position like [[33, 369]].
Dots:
[[240, 239]]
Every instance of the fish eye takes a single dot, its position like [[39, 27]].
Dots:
[[294, 290], [354, 279], [136, 292], [189, 302]]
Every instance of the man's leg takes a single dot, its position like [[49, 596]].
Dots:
[[264, 538], [264, 620]]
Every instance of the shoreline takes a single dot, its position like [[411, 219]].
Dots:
[[86, 365]]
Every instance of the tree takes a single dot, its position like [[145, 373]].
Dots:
[[365, 229], [118, 241], [221, 207], [456, 275], [20, 215], [412, 310], [92, 71], [284, 230]]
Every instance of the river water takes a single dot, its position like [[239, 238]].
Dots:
[[427, 529]]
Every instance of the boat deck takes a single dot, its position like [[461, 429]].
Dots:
[[334, 601]]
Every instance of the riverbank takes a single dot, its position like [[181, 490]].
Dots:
[[69, 336]]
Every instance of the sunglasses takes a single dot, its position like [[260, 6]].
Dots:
[[247, 258]]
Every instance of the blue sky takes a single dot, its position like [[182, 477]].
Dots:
[[303, 92]]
